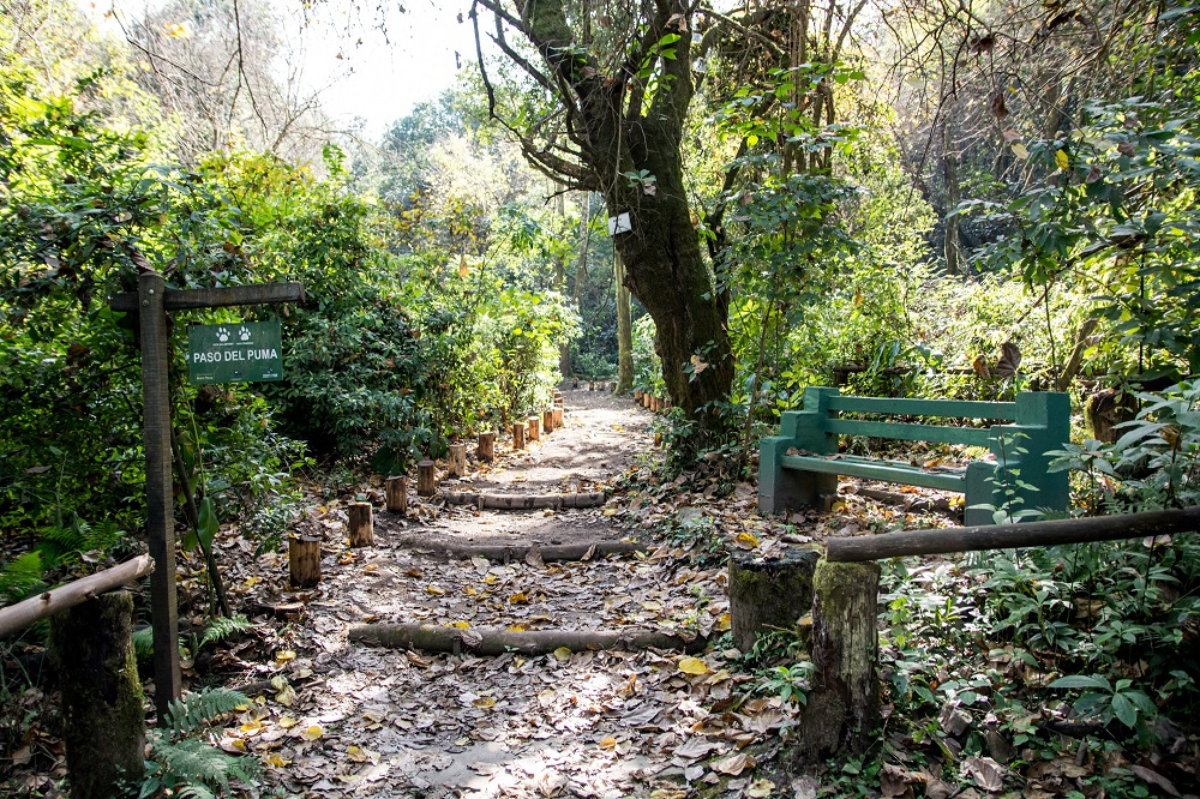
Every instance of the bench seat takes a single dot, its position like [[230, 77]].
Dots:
[[945, 479]]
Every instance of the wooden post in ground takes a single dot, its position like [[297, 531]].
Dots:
[[518, 433], [458, 460], [843, 704], [575, 382], [304, 561], [532, 432], [548, 421], [104, 726], [485, 450], [658, 440], [156, 416], [397, 494], [769, 594], [558, 417], [426, 479], [591, 385], [362, 525], [637, 395]]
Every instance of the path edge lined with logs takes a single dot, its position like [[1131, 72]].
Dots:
[[433, 638]]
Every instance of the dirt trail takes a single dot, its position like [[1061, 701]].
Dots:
[[375, 722]]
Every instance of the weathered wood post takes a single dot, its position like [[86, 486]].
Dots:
[[658, 440], [518, 433], [458, 460], [485, 450], [767, 595], [548, 421], [362, 525], [104, 728], [558, 417], [304, 560], [397, 494], [426, 479], [160, 529], [532, 432], [843, 705]]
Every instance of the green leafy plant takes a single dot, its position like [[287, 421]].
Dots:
[[183, 763]]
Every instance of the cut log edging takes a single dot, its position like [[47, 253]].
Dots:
[[496, 641], [524, 501], [507, 553], [1011, 536]]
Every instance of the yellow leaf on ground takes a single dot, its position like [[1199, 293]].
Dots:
[[462, 625], [357, 754], [519, 627], [562, 653], [283, 656], [760, 789], [484, 702], [286, 722], [748, 540], [433, 589], [252, 727], [725, 623], [274, 759], [470, 591], [518, 599], [691, 665], [312, 733], [491, 579], [608, 743]]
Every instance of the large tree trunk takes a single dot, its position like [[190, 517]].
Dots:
[[666, 272], [624, 330], [953, 195]]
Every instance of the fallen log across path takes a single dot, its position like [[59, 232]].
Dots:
[[509, 553], [19, 616], [432, 638], [1010, 536], [524, 502]]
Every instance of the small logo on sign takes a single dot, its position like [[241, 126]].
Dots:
[[244, 334], [222, 335]]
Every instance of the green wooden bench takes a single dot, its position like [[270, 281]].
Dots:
[[1040, 422]]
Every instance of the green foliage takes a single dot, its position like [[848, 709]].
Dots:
[[182, 762]]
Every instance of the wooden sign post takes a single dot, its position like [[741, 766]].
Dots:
[[151, 302]]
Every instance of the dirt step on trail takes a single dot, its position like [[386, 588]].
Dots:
[[602, 435], [350, 720]]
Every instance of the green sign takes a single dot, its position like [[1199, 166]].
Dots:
[[239, 352]]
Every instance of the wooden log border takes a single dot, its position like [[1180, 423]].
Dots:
[[507, 553], [494, 641], [524, 502]]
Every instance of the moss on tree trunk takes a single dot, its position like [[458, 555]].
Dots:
[[843, 705], [768, 595], [104, 721]]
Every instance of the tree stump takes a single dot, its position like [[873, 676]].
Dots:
[[532, 433], [485, 450], [362, 525], [843, 705], [771, 594], [637, 395], [104, 727], [548, 421], [426, 479], [397, 494], [518, 433], [304, 560], [591, 385], [458, 460], [558, 417], [575, 382]]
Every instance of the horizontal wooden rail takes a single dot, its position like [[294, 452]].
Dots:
[[885, 471], [19, 616], [1010, 536], [178, 299], [962, 409], [941, 434]]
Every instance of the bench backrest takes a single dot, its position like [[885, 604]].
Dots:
[[1031, 409]]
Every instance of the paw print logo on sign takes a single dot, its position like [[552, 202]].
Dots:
[[244, 334], [222, 335]]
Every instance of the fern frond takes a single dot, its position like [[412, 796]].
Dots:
[[143, 642], [220, 629], [20, 577], [194, 761], [191, 713], [195, 792]]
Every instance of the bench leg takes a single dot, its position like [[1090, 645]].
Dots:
[[980, 491], [781, 490]]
